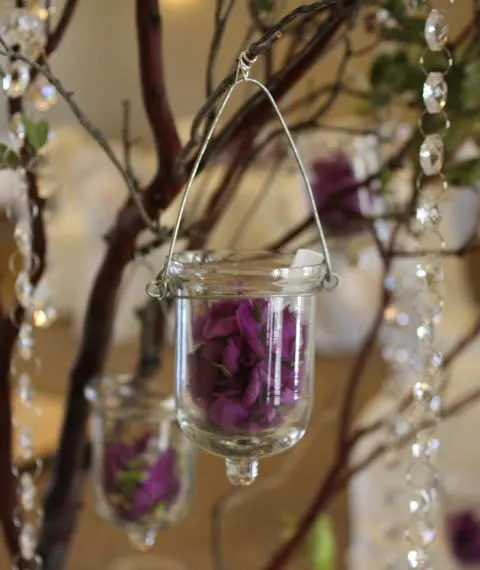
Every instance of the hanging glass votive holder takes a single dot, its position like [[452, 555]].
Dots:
[[143, 466], [245, 336]]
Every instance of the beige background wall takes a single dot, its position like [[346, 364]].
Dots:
[[98, 59]]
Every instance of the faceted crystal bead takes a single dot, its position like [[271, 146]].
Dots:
[[426, 361], [28, 541], [427, 216], [421, 531], [16, 131], [428, 304], [25, 390], [431, 154], [23, 238], [25, 341], [429, 273], [42, 94], [418, 559], [436, 30], [44, 317], [422, 476], [435, 91], [419, 502], [426, 333], [24, 289], [16, 79], [25, 441], [40, 9], [27, 491], [425, 445]]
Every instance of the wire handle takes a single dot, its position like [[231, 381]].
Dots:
[[242, 76]]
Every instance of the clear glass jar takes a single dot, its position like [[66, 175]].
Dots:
[[143, 465], [244, 353]]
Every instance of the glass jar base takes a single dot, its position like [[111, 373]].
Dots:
[[241, 445], [142, 539], [241, 472]]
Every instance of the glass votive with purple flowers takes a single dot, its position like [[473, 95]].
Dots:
[[143, 466], [244, 353], [461, 510]]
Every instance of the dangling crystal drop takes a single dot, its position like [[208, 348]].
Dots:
[[431, 154], [143, 539], [42, 94], [241, 471], [16, 79], [436, 30], [435, 91]]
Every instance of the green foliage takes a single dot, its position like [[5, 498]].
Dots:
[[8, 158], [264, 5], [321, 547], [464, 173], [35, 133]]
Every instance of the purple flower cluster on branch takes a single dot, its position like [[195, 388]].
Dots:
[[328, 176], [135, 487], [248, 367], [463, 531]]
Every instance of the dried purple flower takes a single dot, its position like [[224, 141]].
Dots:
[[242, 375], [463, 530], [134, 486], [329, 175]]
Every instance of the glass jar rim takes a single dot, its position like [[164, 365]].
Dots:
[[225, 272], [104, 388]]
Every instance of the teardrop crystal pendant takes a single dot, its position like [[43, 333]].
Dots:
[[436, 30], [431, 154], [42, 94], [16, 79], [435, 91]]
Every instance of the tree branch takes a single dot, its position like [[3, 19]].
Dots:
[[155, 100], [56, 37]]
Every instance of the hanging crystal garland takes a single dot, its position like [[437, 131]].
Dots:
[[26, 30], [426, 363]]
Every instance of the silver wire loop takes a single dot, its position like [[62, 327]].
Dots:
[[159, 288]]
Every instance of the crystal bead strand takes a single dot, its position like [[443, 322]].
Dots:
[[25, 28], [426, 373], [25, 366]]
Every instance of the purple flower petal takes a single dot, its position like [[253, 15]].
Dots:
[[203, 375], [227, 413], [162, 484], [249, 326], [253, 388], [231, 354]]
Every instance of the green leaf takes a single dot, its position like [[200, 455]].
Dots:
[[465, 173], [36, 133], [397, 9], [130, 476], [321, 545], [223, 369], [8, 158]]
